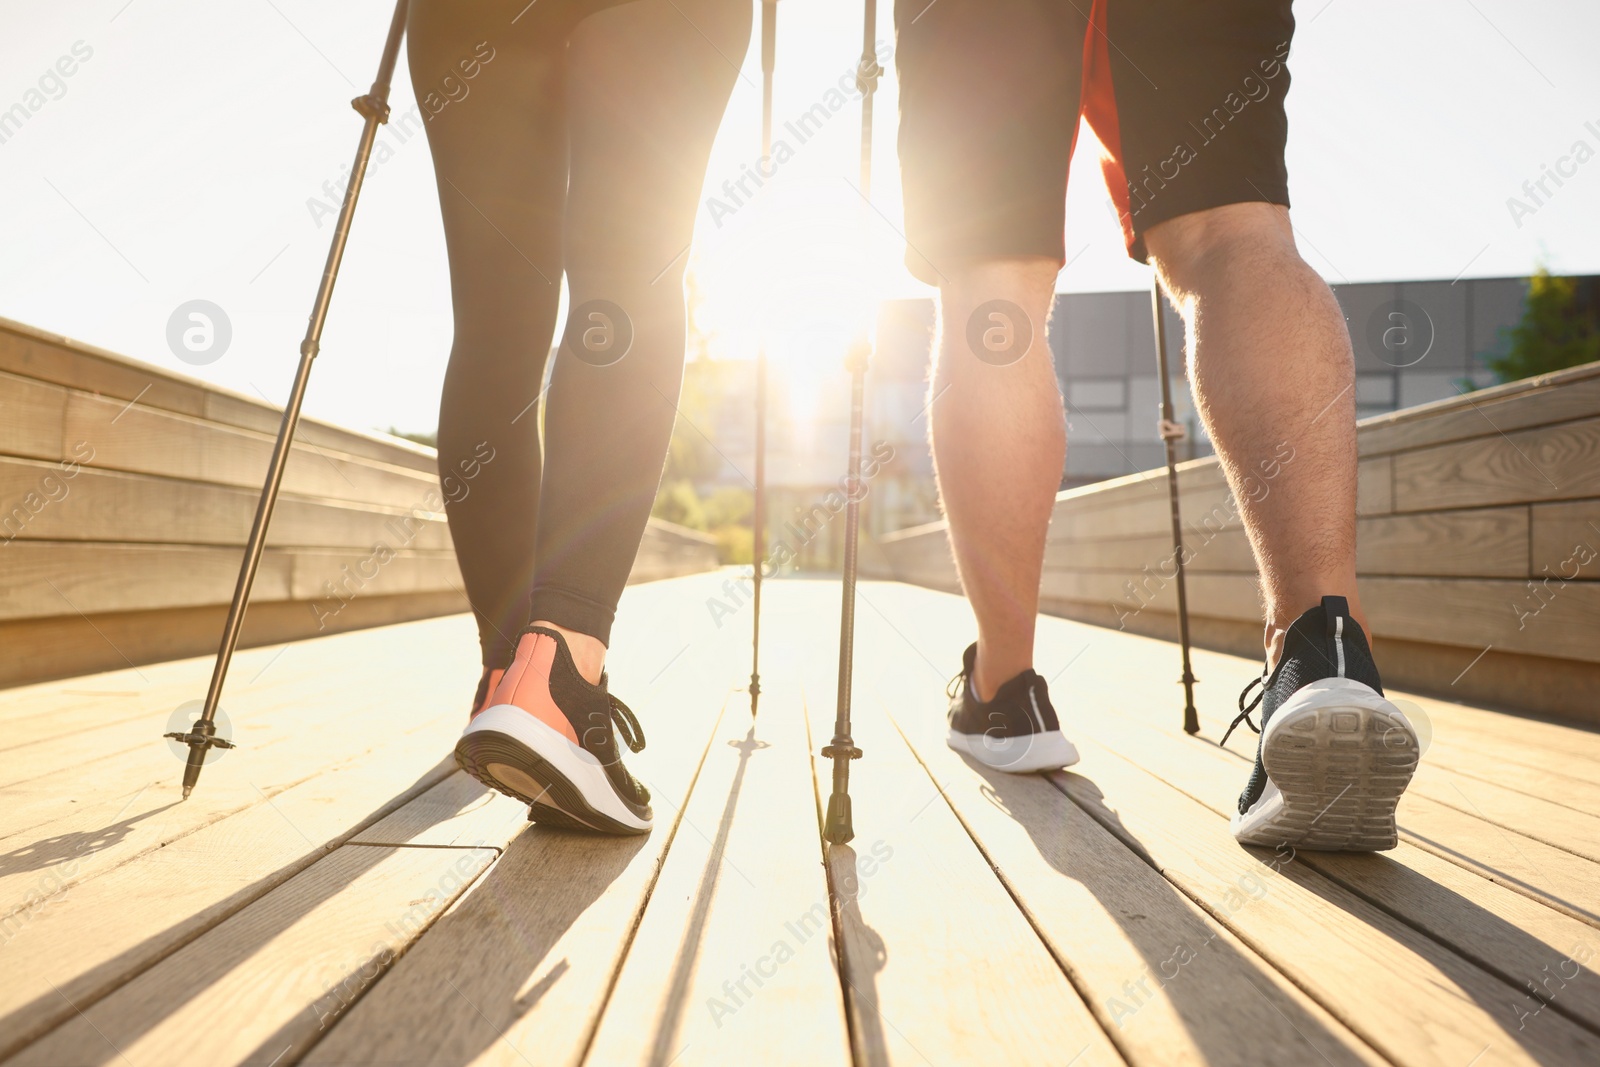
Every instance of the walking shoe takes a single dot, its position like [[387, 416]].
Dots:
[[1016, 731], [1334, 754], [486, 685], [546, 738]]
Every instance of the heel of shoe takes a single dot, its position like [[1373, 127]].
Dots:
[[1339, 756]]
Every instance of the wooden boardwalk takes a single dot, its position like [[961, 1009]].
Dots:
[[337, 893]]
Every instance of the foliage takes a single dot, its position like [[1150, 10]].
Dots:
[[1560, 328], [431, 438]]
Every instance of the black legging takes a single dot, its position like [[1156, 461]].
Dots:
[[568, 136]]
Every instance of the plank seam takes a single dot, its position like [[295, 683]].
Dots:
[[1465, 862], [288, 872], [593, 1028], [1074, 979], [847, 989], [328, 846], [1459, 952]]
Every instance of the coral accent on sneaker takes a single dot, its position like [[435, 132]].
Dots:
[[495, 674], [526, 684]]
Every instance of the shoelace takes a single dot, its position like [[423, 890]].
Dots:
[[627, 726], [1245, 710], [953, 686]]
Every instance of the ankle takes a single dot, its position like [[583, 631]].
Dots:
[[993, 669], [1280, 619], [588, 654]]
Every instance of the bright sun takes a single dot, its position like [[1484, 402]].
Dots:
[[800, 268]]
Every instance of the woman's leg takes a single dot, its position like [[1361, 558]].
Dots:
[[647, 85], [492, 93]]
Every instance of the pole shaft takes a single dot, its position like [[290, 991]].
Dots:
[[1191, 722], [838, 825], [308, 353], [758, 519]]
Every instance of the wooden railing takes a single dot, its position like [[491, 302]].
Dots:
[[126, 493], [1478, 548]]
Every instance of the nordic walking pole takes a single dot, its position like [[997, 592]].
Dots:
[[837, 828], [769, 41], [1171, 434], [374, 107]]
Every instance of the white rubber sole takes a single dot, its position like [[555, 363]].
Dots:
[[1048, 751], [1338, 757], [512, 752]]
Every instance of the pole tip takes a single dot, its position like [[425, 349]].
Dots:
[[187, 790], [838, 828]]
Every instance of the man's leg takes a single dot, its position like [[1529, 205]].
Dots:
[[1274, 380], [999, 441]]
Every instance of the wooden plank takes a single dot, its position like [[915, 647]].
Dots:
[[923, 979], [31, 424], [1224, 552], [278, 971], [1197, 853], [734, 945], [1560, 462], [458, 812], [1375, 486], [35, 354], [1534, 948], [1559, 619], [1563, 749], [1480, 543], [105, 887], [1212, 508], [1566, 751], [66, 578], [250, 413], [1488, 765], [1552, 398], [65, 646], [32, 353], [1219, 595], [519, 973], [1068, 652], [1500, 930], [1555, 620], [1356, 959], [63, 578], [88, 504], [1168, 983], [96, 918], [116, 695], [1528, 814], [1554, 877], [285, 732], [332, 579], [149, 441], [1564, 536]]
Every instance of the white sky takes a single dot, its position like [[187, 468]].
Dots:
[[178, 162]]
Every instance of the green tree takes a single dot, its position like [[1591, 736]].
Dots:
[[1560, 328], [431, 438]]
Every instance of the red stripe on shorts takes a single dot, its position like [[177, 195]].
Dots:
[[1099, 107]]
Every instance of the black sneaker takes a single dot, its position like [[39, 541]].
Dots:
[[1017, 731], [546, 738], [1334, 755]]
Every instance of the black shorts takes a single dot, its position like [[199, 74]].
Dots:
[[1185, 96]]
